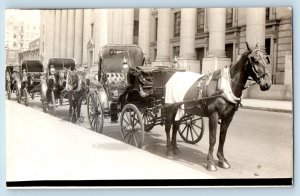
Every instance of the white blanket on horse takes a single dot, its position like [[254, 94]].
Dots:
[[225, 86], [177, 87]]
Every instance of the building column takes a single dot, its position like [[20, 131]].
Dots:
[[57, 46], [256, 26], [70, 33], [86, 35], [144, 32], [64, 26], [127, 26], [163, 38], [78, 36], [43, 36], [50, 28], [187, 58], [101, 27], [216, 57], [103, 24]]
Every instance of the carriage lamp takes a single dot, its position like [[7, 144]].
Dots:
[[125, 68], [52, 71], [24, 75]]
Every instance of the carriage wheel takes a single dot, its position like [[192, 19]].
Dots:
[[25, 94], [191, 129], [18, 95], [53, 103], [132, 126], [149, 119], [95, 112], [8, 91]]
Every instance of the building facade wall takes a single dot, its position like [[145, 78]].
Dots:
[[121, 25]]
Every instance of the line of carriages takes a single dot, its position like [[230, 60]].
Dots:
[[123, 88]]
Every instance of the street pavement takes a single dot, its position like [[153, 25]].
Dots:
[[268, 105], [43, 147], [258, 140]]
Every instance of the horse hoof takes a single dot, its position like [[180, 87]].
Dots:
[[176, 151], [224, 164], [211, 167]]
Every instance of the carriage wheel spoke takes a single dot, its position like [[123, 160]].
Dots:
[[128, 133], [197, 126], [183, 129], [193, 129], [187, 131], [134, 138]]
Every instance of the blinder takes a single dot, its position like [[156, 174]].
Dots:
[[255, 57]]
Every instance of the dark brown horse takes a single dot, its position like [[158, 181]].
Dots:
[[76, 91], [217, 106]]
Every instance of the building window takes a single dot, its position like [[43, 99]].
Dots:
[[267, 13], [92, 30], [177, 17], [156, 29], [155, 54], [136, 28], [229, 17], [15, 35], [200, 20], [268, 46], [176, 51], [15, 45]]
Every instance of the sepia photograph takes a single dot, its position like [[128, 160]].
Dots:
[[149, 97]]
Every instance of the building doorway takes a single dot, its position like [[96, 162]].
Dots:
[[229, 51], [200, 56], [91, 55]]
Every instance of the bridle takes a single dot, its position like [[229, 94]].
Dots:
[[256, 55], [253, 56], [70, 86]]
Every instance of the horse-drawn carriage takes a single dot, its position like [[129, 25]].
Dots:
[[135, 95], [55, 82], [31, 74], [12, 79]]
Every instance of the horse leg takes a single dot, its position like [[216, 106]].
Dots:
[[223, 131], [176, 125], [213, 123], [79, 102], [70, 109], [74, 119], [168, 124]]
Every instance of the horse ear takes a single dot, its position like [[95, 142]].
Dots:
[[248, 47]]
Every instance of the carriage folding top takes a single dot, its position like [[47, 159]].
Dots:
[[32, 66], [113, 57], [61, 63]]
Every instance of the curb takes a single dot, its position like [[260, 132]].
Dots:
[[267, 109]]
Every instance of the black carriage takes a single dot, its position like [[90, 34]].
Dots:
[[31, 73], [55, 82], [12, 80], [135, 96]]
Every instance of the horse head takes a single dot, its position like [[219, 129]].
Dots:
[[259, 67], [73, 81]]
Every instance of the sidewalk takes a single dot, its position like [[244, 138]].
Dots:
[[42, 147], [268, 105]]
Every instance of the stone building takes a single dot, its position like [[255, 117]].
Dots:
[[21, 27], [202, 39], [33, 53]]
